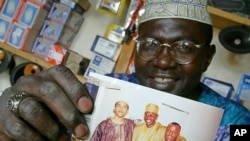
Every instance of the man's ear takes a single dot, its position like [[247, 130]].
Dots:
[[212, 51], [210, 55]]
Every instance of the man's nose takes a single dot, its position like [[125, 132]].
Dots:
[[164, 59]]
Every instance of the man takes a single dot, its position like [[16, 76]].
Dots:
[[150, 130], [173, 51], [173, 132], [117, 128]]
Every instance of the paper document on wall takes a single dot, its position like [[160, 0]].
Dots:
[[198, 121]]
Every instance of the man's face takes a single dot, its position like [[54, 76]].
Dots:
[[172, 132], [121, 109], [163, 73], [150, 119]]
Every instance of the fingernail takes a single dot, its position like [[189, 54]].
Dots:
[[81, 131], [85, 104]]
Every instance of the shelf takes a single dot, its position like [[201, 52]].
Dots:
[[26, 55], [31, 57], [222, 19]]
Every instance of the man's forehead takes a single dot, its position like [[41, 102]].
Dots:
[[150, 113], [121, 103]]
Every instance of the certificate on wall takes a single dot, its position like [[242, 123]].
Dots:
[[106, 47], [198, 121]]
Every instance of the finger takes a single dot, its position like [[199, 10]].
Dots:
[[4, 137], [33, 112], [56, 100], [72, 87], [21, 131], [14, 127]]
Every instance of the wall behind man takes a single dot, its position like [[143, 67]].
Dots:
[[228, 66], [95, 23]]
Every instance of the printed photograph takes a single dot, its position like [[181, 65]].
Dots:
[[126, 111]]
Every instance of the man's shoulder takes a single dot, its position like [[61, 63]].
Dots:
[[160, 126], [140, 125], [234, 112], [211, 97], [129, 120], [181, 138]]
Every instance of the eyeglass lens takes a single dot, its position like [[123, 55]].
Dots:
[[183, 52]]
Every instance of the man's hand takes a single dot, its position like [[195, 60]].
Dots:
[[54, 103]]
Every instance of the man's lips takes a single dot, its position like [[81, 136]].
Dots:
[[162, 79], [149, 121], [162, 82]]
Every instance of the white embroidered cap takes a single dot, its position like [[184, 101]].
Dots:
[[189, 9]]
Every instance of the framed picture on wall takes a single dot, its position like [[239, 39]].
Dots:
[[111, 7], [114, 32], [106, 48]]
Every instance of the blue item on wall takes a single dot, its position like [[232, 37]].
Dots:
[[223, 88], [243, 91]]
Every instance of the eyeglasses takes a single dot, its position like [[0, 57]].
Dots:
[[183, 52]]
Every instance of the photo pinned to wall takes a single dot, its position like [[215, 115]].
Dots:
[[111, 7]]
